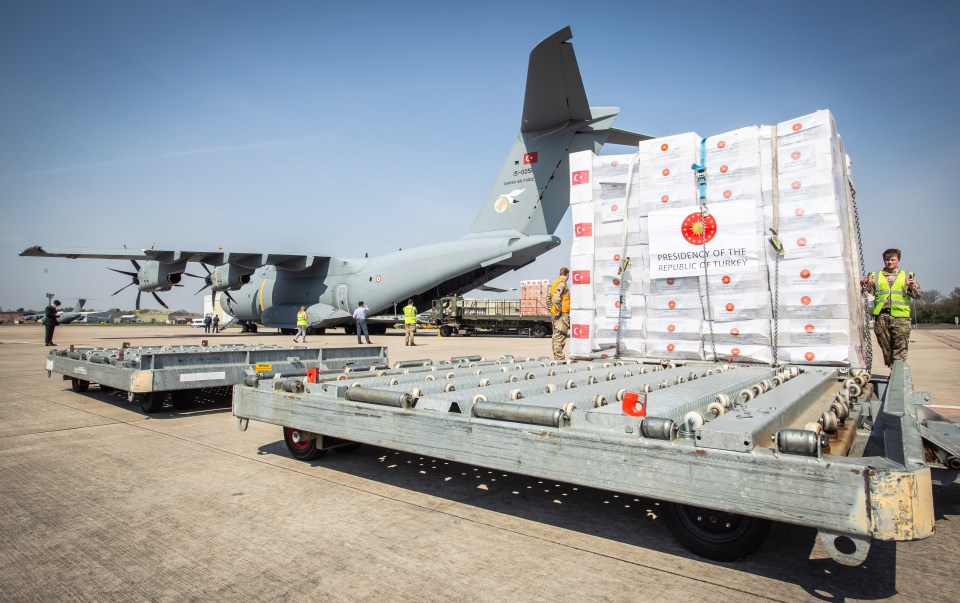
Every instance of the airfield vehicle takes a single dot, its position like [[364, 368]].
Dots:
[[458, 315], [727, 448]]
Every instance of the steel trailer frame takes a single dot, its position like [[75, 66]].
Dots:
[[152, 374], [773, 474]]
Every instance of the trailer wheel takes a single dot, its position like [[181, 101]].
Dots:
[[715, 535], [302, 451], [446, 331], [183, 399], [150, 402], [79, 385], [540, 330]]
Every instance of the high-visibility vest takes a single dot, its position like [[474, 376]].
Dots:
[[899, 301], [410, 314], [564, 299], [301, 319]]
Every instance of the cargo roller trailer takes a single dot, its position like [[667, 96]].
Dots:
[[152, 376], [727, 448]]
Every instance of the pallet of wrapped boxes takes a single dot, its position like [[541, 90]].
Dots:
[[671, 267]]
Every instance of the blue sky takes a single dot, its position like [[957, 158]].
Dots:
[[341, 129]]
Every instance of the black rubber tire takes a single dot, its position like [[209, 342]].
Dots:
[[79, 385], [446, 331], [183, 399], [349, 447], [715, 535], [150, 402], [540, 330], [304, 451]]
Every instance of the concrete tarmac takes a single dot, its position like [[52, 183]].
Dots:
[[99, 502]]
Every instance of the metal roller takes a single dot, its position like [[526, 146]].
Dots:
[[376, 396], [798, 441], [294, 386], [519, 413], [658, 428]]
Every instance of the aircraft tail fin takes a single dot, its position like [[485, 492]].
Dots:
[[531, 193]]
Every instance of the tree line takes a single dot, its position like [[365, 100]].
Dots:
[[935, 307]]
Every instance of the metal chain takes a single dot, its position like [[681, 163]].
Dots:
[[865, 324], [704, 212], [776, 309], [621, 270]]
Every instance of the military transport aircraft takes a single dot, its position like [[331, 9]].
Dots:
[[515, 225]]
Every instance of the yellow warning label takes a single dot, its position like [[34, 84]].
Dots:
[[262, 368]]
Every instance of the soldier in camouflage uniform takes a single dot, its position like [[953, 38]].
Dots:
[[893, 288], [558, 302]]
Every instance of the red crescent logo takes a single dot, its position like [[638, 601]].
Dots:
[[804, 274], [795, 185], [795, 155], [809, 328], [671, 328], [671, 347], [809, 356], [799, 212], [797, 127], [729, 307], [664, 198], [727, 194], [723, 169], [664, 147], [721, 144], [735, 332], [671, 281], [671, 304], [735, 351], [801, 242], [805, 300], [725, 280], [666, 171]]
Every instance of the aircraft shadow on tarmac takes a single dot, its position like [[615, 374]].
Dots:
[[785, 556]]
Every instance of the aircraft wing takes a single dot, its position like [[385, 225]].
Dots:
[[289, 262]]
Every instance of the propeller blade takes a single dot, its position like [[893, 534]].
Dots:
[[205, 268], [160, 301], [138, 299], [202, 288], [123, 272], [193, 275], [120, 289], [227, 293], [135, 265]]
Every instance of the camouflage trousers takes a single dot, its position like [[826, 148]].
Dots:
[[410, 331], [561, 328], [893, 335]]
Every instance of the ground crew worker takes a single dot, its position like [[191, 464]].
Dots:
[[410, 321], [558, 302], [892, 288], [301, 324]]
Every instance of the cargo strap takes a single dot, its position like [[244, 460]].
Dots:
[[624, 259], [700, 173]]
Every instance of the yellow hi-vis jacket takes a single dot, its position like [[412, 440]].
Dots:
[[410, 314], [564, 299], [301, 319], [899, 301]]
